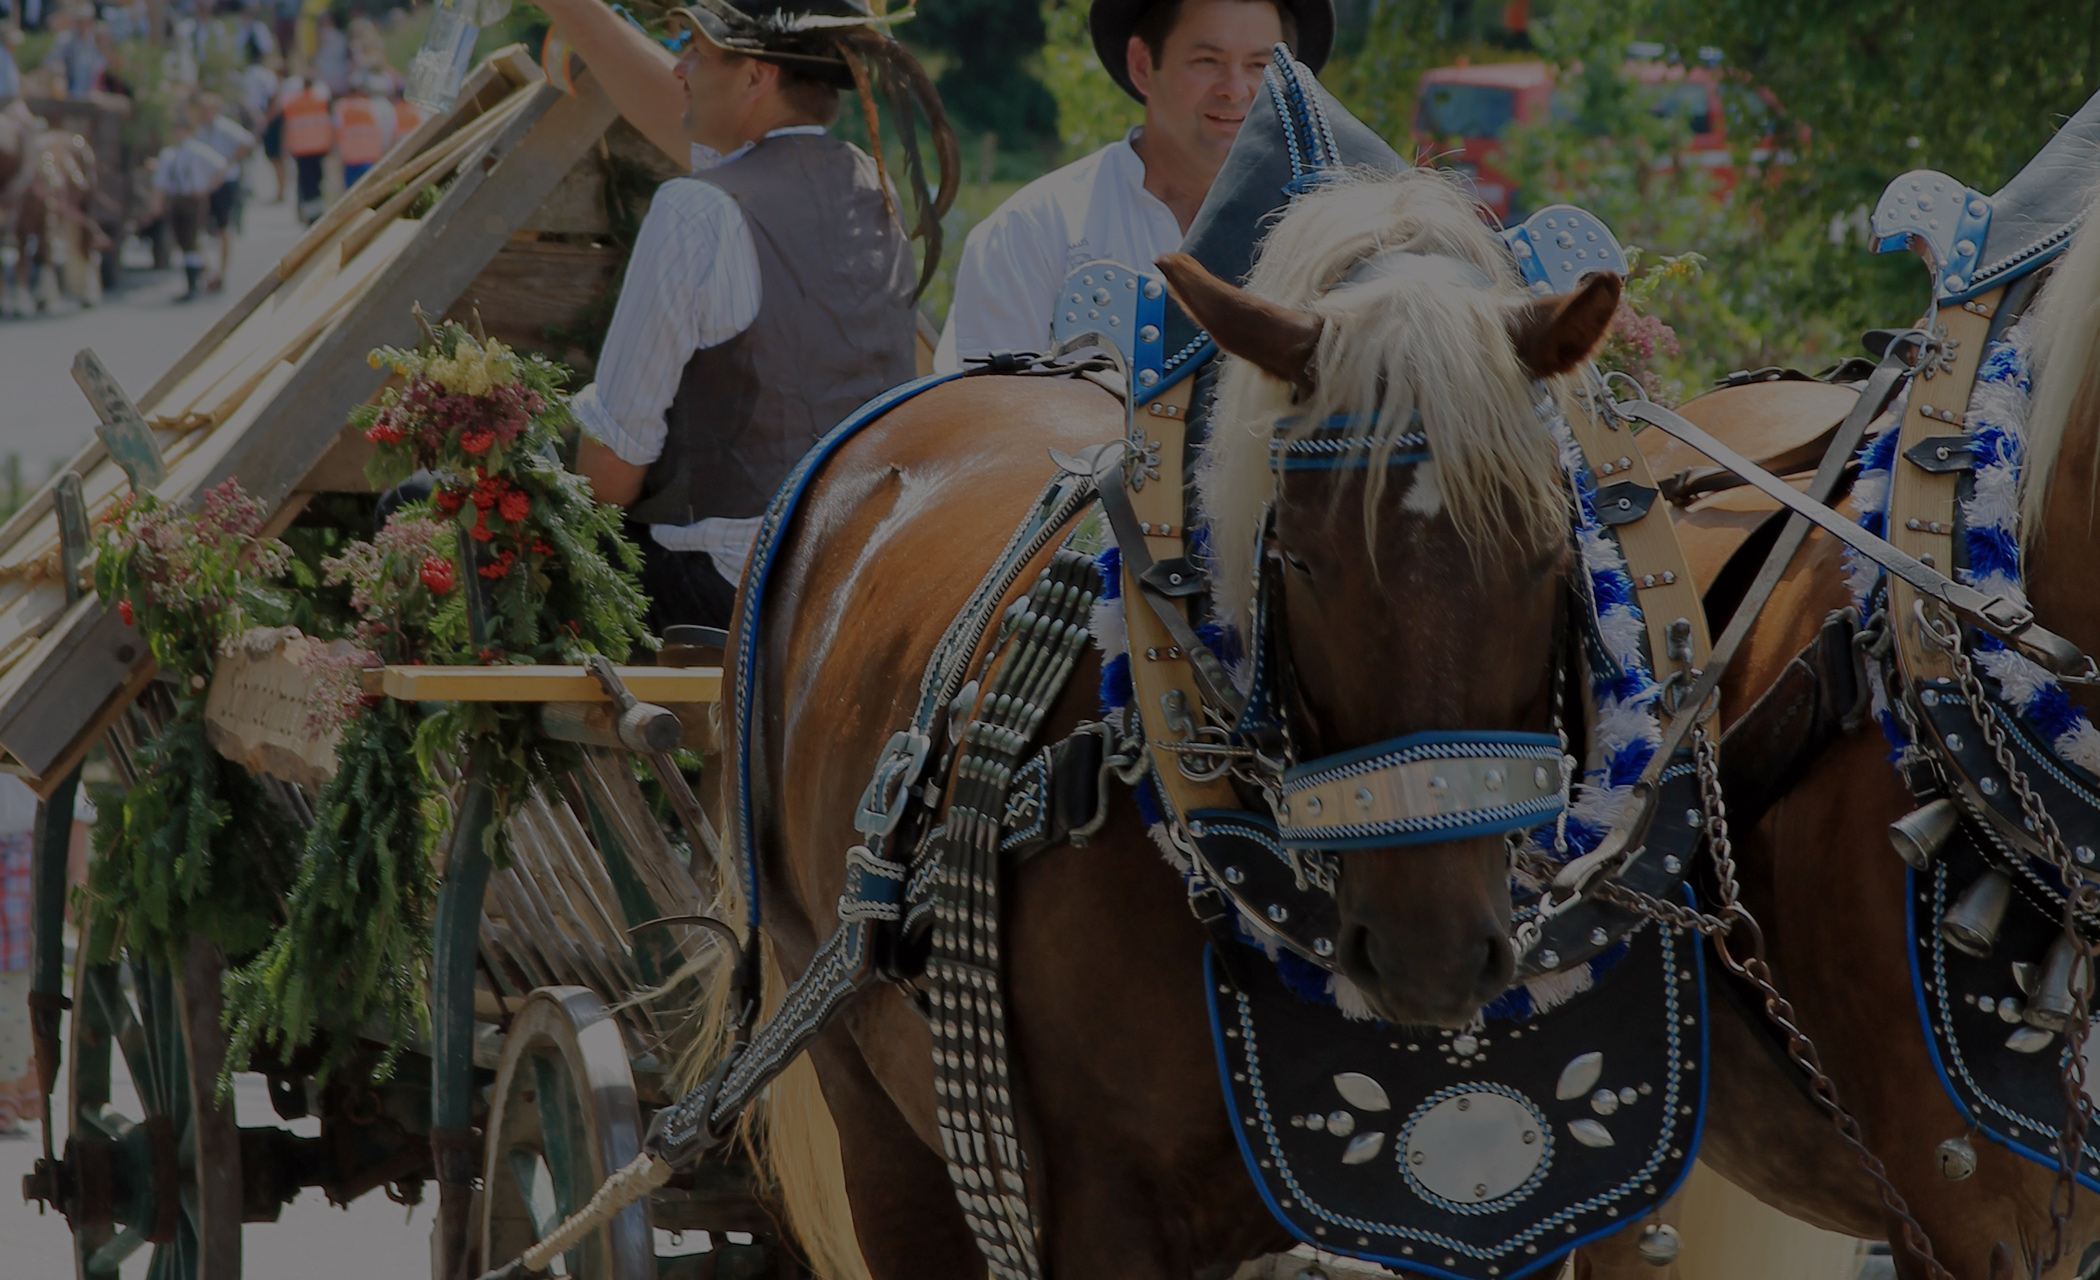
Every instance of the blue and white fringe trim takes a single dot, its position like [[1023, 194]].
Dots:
[[1625, 733], [1996, 428]]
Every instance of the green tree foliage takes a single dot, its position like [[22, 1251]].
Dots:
[[1851, 95], [1881, 87], [988, 84], [1091, 111]]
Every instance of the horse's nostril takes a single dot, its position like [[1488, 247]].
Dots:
[[1355, 954], [1498, 965]]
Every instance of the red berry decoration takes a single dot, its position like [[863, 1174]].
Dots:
[[124, 611], [437, 575]]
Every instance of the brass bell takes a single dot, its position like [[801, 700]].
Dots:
[[1957, 1159], [1920, 834], [1972, 926], [1659, 1244], [2053, 1001]]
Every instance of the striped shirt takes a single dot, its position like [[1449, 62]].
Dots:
[[692, 283], [189, 168], [1013, 262]]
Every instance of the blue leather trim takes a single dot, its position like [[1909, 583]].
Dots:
[[1178, 366], [779, 514]]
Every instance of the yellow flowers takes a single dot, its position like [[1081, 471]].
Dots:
[[473, 369]]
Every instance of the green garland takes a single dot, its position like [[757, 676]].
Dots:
[[355, 947], [197, 845]]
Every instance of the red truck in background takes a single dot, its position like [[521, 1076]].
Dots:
[[1462, 113]]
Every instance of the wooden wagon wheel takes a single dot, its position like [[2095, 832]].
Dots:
[[170, 1177], [564, 1118]]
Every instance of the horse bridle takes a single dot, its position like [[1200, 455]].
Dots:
[[1419, 788]]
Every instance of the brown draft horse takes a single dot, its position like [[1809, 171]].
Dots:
[[1131, 1160], [1821, 875]]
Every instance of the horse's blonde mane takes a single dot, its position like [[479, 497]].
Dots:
[[2066, 371], [1424, 335]]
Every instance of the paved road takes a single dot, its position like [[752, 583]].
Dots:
[[139, 331]]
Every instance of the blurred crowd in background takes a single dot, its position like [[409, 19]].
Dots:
[[175, 98]]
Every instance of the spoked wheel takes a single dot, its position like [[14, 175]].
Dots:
[[168, 1178], [564, 1119]]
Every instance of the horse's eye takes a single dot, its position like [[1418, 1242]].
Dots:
[[1296, 563]]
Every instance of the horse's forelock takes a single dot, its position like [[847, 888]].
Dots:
[[1423, 334]]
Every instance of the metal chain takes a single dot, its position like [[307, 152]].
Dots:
[[1754, 969], [1527, 935], [2080, 896]]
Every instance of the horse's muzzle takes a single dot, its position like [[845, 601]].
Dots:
[[1425, 930]]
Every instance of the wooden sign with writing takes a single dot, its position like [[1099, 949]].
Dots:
[[261, 713]]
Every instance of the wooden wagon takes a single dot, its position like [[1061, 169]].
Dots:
[[537, 1047]]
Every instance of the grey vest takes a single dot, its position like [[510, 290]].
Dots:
[[834, 328]]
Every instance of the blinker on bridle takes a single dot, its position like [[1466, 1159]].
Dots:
[[1421, 788]]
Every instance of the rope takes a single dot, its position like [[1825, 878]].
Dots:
[[642, 1175]]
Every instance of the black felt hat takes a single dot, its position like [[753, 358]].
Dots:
[[798, 31], [1113, 22]]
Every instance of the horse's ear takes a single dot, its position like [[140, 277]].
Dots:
[[1553, 335], [1278, 340]]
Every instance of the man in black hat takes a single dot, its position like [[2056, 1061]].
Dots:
[[1197, 66], [767, 296]]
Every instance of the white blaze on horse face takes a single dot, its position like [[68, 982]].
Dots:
[[1424, 496]]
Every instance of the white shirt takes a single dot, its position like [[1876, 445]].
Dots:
[[692, 283], [189, 168], [1013, 262], [228, 139], [258, 91]]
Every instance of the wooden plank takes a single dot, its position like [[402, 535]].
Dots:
[[662, 685], [75, 666], [342, 468], [535, 285]]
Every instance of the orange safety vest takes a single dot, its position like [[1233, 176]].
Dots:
[[307, 129], [359, 137]]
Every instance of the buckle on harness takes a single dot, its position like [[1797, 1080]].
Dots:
[[882, 805]]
